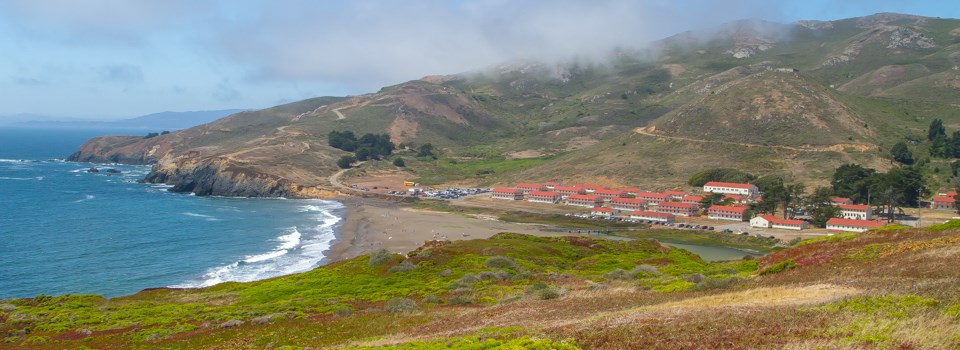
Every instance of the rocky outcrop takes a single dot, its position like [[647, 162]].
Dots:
[[216, 177], [132, 150]]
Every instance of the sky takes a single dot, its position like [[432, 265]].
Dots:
[[111, 59]]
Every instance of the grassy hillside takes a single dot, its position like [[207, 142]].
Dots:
[[883, 289], [863, 85]]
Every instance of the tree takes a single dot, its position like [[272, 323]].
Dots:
[[953, 145], [936, 130], [792, 195], [899, 187], [772, 197], [363, 154], [822, 214], [345, 161], [938, 148], [164, 132], [399, 162], [426, 150], [901, 153], [821, 197], [769, 180], [852, 180], [151, 135]]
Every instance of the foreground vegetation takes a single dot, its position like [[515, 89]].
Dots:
[[880, 289]]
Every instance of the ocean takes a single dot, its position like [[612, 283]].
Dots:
[[66, 230]]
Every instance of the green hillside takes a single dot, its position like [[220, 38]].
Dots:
[[817, 93], [879, 289]]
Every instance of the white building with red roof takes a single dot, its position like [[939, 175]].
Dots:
[[722, 212], [506, 193], [651, 197], [652, 216], [588, 188], [840, 200], [856, 211], [631, 190], [850, 225], [674, 195], [771, 221], [530, 187], [944, 203], [584, 200], [748, 190], [677, 208], [692, 199], [601, 211], [628, 204], [609, 195], [543, 197], [550, 185], [566, 191]]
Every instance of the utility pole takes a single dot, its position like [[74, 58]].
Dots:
[[919, 205]]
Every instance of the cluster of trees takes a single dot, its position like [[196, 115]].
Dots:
[[153, 134], [368, 146], [899, 187], [942, 146]]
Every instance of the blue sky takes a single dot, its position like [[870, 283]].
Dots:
[[107, 59]]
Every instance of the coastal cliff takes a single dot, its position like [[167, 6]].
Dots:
[[218, 177], [132, 150]]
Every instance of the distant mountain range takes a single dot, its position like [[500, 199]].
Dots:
[[156, 121]]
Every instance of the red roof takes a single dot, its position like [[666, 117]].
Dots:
[[603, 210], [543, 193], [952, 193], [678, 205], [727, 208], [727, 184], [854, 223], [858, 207], [529, 185], [651, 194], [585, 197], [775, 220], [651, 213], [610, 192], [692, 198], [840, 199], [944, 199], [567, 188], [735, 197], [628, 201], [504, 190]]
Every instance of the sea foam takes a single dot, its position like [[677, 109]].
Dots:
[[297, 249]]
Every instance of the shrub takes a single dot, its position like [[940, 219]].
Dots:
[[400, 305], [343, 311], [381, 257], [779, 267], [405, 266], [522, 276], [543, 291], [445, 273], [431, 299], [650, 269], [469, 279], [716, 283], [345, 161], [617, 274], [399, 162], [460, 300], [498, 275], [501, 262], [694, 278]]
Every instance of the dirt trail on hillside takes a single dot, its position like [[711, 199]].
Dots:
[[650, 131]]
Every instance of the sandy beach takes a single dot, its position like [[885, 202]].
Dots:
[[371, 225]]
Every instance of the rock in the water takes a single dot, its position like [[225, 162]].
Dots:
[[112, 170], [93, 170]]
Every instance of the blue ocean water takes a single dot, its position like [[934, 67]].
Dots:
[[65, 230]]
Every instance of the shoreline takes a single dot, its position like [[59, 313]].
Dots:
[[372, 224]]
